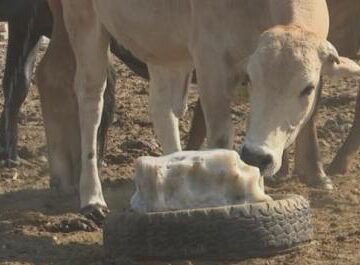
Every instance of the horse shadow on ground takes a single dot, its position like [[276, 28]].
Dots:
[[24, 213], [26, 249], [117, 194]]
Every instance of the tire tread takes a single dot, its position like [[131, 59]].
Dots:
[[230, 232]]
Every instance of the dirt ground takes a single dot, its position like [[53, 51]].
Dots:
[[28, 209]]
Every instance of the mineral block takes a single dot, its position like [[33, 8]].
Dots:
[[195, 179]]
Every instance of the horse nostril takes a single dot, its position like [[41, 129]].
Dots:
[[265, 162], [262, 161]]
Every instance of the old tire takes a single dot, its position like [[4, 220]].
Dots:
[[231, 232]]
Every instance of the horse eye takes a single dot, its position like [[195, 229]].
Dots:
[[307, 90]]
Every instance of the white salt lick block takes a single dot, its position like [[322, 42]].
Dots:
[[195, 179]]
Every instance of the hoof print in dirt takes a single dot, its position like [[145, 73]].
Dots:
[[229, 232], [72, 225], [95, 213]]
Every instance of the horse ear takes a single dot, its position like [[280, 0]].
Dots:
[[328, 53], [344, 67], [336, 66]]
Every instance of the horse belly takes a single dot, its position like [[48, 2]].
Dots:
[[154, 31]]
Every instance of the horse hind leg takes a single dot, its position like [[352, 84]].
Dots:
[[107, 114], [168, 96], [197, 132], [90, 43], [343, 158], [55, 79], [308, 162], [21, 56]]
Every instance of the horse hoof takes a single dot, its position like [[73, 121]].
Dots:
[[321, 182], [95, 213], [325, 183], [336, 169]]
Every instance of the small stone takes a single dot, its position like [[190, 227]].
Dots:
[[15, 176], [43, 159], [341, 238]]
